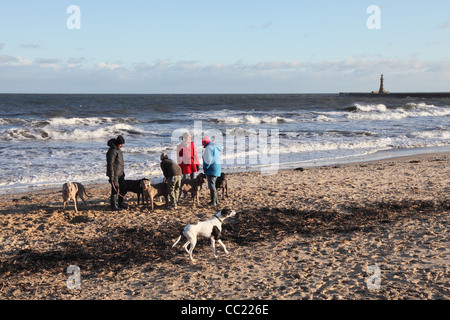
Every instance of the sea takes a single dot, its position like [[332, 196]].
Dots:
[[49, 139]]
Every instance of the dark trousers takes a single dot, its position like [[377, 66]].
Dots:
[[212, 189], [119, 187], [212, 183]]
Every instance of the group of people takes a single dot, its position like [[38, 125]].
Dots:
[[187, 164]]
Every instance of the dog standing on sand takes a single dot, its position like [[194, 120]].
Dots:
[[209, 229], [149, 191], [71, 191], [194, 186], [134, 186], [221, 183]]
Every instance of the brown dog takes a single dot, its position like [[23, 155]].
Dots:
[[221, 183], [193, 186], [72, 190], [150, 191]]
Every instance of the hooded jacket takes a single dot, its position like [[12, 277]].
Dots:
[[212, 165], [187, 158], [114, 160]]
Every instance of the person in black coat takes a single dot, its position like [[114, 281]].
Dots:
[[172, 172], [115, 172]]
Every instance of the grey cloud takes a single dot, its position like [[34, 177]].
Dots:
[[47, 61], [6, 59], [14, 61], [359, 72], [76, 60], [30, 46]]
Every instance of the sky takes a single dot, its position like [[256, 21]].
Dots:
[[211, 46]]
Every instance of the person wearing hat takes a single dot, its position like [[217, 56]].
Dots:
[[115, 172], [212, 166], [172, 172]]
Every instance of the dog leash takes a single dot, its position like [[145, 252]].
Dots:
[[112, 183]]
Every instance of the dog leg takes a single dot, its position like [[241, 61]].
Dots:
[[186, 245], [215, 235], [75, 204], [213, 247], [84, 202], [223, 246], [191, 249], [145, 199]]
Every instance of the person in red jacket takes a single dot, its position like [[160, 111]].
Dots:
[[187, 157]]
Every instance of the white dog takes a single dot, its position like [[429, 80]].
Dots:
[[72, 190], [208, 229]]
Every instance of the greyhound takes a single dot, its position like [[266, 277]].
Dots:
[[209, 229]]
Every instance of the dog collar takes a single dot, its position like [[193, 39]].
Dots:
[[221, 221]]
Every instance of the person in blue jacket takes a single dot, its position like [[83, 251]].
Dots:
[[212, 166]]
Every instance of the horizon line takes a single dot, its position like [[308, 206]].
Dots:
[[231, 93]]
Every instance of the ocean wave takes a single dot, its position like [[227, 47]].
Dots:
[[10, 121], [411, 110], [324, 145], [19, 134], [77, 121], [413, 106], [227, 120], [331, 150], [287, 147], [324, 118], [249, 120], [440, 135], [67, 122], [241, 132], [52, 133], [148, 150], [367, 108]]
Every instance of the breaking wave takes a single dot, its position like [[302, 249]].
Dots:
[[381, 112], [67, 129], [249, 119]]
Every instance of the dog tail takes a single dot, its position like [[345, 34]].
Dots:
[[178, 240], [85, 193]]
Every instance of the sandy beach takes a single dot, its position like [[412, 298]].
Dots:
[[311, 233]]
